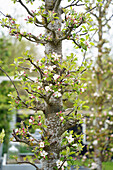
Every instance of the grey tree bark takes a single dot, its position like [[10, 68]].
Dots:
[[52, 122]]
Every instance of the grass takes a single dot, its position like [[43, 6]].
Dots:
[[105, 165]]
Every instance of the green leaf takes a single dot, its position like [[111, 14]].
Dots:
[[91, 43]]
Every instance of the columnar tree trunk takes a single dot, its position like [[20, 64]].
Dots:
[[56, 105], [99, 86], [100, 104]]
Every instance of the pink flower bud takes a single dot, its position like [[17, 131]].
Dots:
[[31, 118], [39, 123], [39, 117]]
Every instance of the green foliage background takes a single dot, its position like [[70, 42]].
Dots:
[[9, 49], [5, 88]]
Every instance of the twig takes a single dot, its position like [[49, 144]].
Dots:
[[107, 20], [2, 13], [30, 38], [71, 111], [24, 162], [76, 42], [75, 4], [37, 67], [62, 163], [90, 9], [11, 82], [37, 21], [18, 139]]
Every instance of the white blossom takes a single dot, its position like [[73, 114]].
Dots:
[[43, 153], [41, 144], [21, 73], [50, 68], [56, 76], [96, 94], [70, 138], [95, 142], [16, 130], [61, 118], [65, 163], [56, 56], [85, 84], [91, 147], [93, 75], [82, 89], [92, 109], [38, 87], [100, 122], [91, 115], [47, 88], [32, 68], [30, 120], [54, 66], [84, 157], [111, 149], [92, 131], [109, 122], [110, 113], [102, 129], [93, 165], [57, 94], [108, 96], [59, 163]]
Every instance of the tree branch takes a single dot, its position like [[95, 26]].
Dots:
[[76, 42], [27, 36], [90, 9], [27, 162], [67, 34], [2, 14], [11, 82], [57, 4], [107, 20], [41, 95], [75, 4], [62, 163], [106, 6], [18, 95], [18, 139], [70, 111], [37, 67], [37, 21]]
